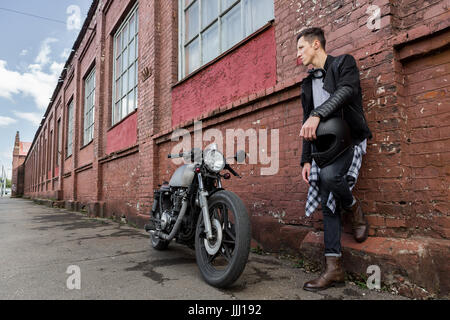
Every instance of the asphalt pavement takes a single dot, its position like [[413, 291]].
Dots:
[[51, 253]]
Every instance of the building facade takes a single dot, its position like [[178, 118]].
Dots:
[[141, 71], [19, 154]]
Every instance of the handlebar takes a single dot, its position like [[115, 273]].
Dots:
[[234, 173], [191, 153]]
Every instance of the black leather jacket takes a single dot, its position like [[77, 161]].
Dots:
[[342, 82]]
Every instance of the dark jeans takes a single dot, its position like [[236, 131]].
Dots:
[[332, 180]]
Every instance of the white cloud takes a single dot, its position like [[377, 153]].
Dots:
[[24, 52], [66, 53], [34, 81], [34, 118], [44, 53], [6, 121]]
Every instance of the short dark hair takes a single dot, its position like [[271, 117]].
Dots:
[[312, 34]]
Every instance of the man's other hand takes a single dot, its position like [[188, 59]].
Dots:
[[309, 128], [306, 171]]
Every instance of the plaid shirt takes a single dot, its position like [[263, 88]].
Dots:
[[314, 199]]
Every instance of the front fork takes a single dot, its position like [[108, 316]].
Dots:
[[203, 201]]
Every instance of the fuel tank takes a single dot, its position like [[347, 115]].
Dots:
[[183, 176]]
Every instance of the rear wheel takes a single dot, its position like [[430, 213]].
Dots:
[[222, 260]]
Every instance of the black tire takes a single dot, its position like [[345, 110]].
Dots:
[[236, 255]]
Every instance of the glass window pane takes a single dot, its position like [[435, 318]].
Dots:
[[136, 97], [131, 101], [125, 36], [136, 45], [132, 26], [192, 55], [210, 11], [231, 28], [132, 52], [187, 2], [118, 66], [257, 13], [125, 63], [124, 84], [137, 21], [225, 4], [118, 90], [118, 44], [136, 73], [116, 112], [191, 21], [124, 107], [210, 43], [131, 78]]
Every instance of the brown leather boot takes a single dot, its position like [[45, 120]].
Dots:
[[360, 225], [334, 276]]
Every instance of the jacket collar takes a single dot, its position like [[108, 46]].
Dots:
[[328, 61]]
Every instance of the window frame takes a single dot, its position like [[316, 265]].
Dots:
[[182, 44], [133, 11], [70, 127], [58, 143], [89, 126]]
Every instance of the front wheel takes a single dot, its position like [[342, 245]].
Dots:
[[222, 260]]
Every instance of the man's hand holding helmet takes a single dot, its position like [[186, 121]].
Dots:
[[308, 131]]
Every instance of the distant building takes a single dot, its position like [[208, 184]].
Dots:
[[19, 154]]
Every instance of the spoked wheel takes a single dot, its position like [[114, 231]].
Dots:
[[222, 260]]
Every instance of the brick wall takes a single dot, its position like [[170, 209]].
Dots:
[[404, 71]]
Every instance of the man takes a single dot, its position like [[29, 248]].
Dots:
[[332, 89]]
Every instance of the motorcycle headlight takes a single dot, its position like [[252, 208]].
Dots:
[[214, 160]]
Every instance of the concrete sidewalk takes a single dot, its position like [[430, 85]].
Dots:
[[38, 245]]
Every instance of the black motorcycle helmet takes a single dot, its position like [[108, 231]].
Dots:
[[333, 138]]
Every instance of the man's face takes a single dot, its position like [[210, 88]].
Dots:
[[306, 51]]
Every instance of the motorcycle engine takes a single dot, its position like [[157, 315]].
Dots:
[[166, 219]]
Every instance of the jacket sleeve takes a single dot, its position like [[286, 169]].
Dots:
[[346, 89], [306, 149], [306, 153]]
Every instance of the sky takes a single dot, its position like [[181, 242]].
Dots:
[[33, 52]]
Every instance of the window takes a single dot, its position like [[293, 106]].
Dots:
[[50, 152], [69, 129], [89, 107], [125, 77], [210, 27], [58, 144]]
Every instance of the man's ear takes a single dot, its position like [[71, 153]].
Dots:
[[316, 44]]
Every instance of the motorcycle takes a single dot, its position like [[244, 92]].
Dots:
[[195, 209]]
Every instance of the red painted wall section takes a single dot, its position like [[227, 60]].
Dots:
[[249, 68], [122, 135]]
